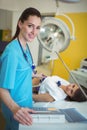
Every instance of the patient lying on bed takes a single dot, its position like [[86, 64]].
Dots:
[[54, 88]]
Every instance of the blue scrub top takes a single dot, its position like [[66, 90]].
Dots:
[[16, 74]]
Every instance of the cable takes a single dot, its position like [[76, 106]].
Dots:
[[71, 22]]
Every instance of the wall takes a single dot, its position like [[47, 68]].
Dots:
[[5, 19], [77, 50]]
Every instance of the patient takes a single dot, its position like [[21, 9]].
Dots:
[[54, 88]]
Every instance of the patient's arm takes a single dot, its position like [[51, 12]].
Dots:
[[43, 97], [35, 81]]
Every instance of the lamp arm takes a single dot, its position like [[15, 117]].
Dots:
[[72, 24], [73, 77]]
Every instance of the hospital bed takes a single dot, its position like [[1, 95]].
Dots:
[[80, 107]]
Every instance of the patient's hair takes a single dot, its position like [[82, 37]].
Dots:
[[78, 95]]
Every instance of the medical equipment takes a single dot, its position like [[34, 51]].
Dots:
[[80, 76], [48, 115], [81, 73], [83, 65], [55, 115], [52, 115]]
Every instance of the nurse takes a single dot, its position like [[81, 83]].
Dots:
[[16, 66]]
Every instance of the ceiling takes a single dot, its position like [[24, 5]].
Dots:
[[43, 6]]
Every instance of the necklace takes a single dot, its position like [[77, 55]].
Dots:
[[26, 58]]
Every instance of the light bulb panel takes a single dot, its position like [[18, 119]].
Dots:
[[54, 34]]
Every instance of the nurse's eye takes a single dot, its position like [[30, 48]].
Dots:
[[30, 26], [38, 28]]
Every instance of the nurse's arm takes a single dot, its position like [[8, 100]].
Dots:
[[6, 98], [20, 114]]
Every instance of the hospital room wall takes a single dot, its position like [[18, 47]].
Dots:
[[77, 50]]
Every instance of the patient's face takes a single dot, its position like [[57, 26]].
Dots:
[[71, 89]]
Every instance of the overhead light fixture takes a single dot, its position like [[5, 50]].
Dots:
[[54, 34], [55, 31]]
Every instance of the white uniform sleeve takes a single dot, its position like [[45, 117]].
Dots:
[[49, 85]]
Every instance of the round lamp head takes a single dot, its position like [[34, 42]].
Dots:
[[54, 34]]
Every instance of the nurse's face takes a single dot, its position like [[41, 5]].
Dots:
[[71, 89], [29, 29]]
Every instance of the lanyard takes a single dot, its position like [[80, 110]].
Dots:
[[26, 58]]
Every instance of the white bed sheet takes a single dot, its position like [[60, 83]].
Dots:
[[81, 107]]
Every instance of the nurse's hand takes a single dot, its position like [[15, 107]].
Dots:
[[23, 116]]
